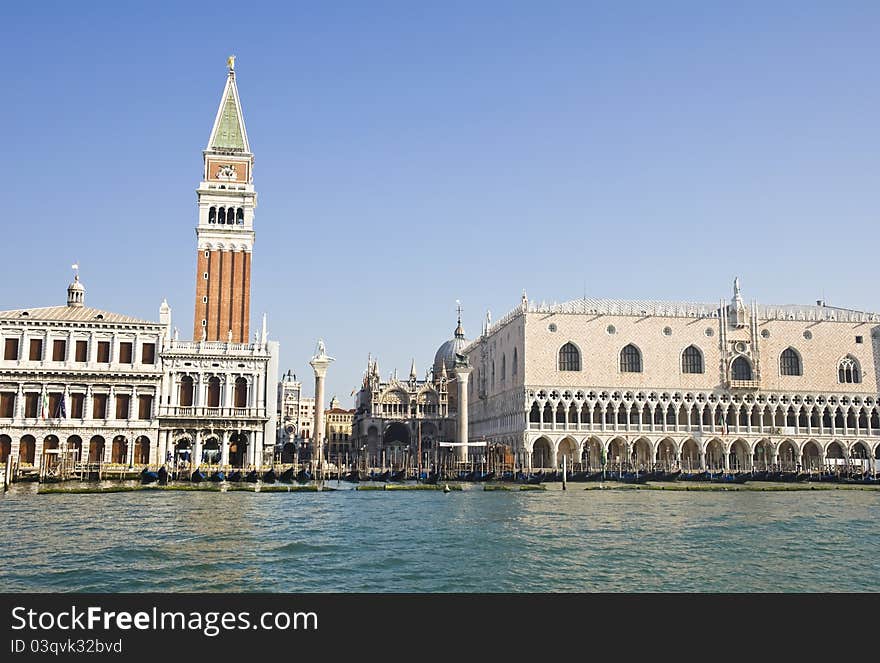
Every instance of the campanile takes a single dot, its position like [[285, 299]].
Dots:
[[225, 231]]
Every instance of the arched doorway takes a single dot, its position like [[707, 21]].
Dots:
[[75, 446], [5, 448], [617, 456], [541, 453], [859, 456], [96, 449], [27, 449], [740, 457], [715, 455], [50, 443], [763, 456], [835, 458], [642, 455], [568, 450], [183, 451], [592, 454], [142, 450], [666, 455], [238, 444], [395, 441], [811, 457], [211, 451], [119, 450], [288, 453], [788, 456], [690, 456]]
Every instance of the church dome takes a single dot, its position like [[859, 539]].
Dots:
[[446, 353]]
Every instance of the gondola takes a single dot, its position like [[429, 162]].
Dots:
[[269, 476], [352, 477], [633, 477], [218, 476], [429, 477], [149, 477], [287, 476], [694, 476], [742, 477], [555, 475], [234, 476], [162, 475], [486, 476], [303, 476], [197, 476], [380, 476], [533, 479], [252, 477], [400, 475]]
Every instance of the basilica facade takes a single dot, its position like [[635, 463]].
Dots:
[[639, 384], [393, 418]]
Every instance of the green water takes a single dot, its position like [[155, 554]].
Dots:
[[427, 541]]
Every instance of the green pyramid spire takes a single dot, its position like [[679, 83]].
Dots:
[[228, 134]]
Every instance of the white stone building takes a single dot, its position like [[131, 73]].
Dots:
[[79, 380], [644, 383]]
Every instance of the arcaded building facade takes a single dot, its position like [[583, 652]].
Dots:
[[727, 385], [80, 382]]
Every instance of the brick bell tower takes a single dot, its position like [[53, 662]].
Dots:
[[225, 231]]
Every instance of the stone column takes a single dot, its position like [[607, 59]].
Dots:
[[258, 449], [319, 363], [462, 372], [197, 450], [224, 449], [162, 447]]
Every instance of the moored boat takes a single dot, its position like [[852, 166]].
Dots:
[[287, 476], [269, 476], [198, 476], [217, 476], [149, 477], [252, 476]]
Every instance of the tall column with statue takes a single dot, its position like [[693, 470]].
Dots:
[[320, 362], [462, 371]]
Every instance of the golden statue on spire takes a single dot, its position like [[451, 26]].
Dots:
[[230, 62]]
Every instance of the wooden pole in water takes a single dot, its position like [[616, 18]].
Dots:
[[7, 476], [564, 487]]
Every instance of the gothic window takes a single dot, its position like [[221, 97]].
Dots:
[[848, 371], [239, 216], [630, 359], [503, 367], [741, 369], [692, 360], [569, 358], [790, 362], [513, 367], [221, 215], [212, 215]]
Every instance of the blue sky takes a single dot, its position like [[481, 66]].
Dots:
[[411, 154]]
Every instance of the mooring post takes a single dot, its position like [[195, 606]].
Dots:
[[7, 476], [564, 487]]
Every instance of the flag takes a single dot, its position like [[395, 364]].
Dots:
[[61, 411], [44, 410]]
